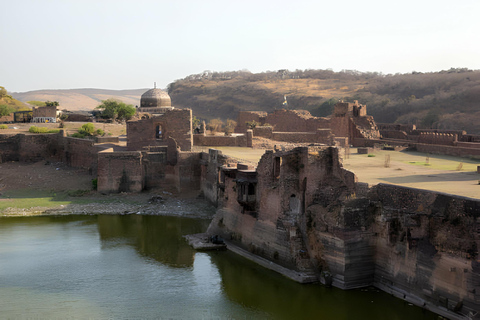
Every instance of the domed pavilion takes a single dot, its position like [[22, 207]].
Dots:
[[155, 101]]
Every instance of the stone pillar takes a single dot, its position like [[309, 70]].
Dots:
[[249, 138]]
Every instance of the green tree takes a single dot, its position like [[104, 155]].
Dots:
[[116, 110], [3, 92], [5, 110], [230, 127], [51, 103], [87, 129]]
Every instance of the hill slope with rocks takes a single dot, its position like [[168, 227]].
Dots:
[[447, 99]]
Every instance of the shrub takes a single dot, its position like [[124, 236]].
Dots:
[[215, 125], [252, 124], [78, 135], [3, 126], [371, 155], [34, 129], [87, 129], [94, 183], [230, 127]]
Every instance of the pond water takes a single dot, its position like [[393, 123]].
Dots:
[[139, 266]]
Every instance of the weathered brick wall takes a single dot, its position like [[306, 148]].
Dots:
[[120, 172], [188, 171], [9, 147], [448, 150], [106, 139], [80, 153], [45, 112], [471, 145], [393, 134], [176, 123], [263, 131], [396, 127], [295, 121], [427, 246], [38, 147], [216, 141], [249, 116], [303, 137], [154, 166], [438, 138]]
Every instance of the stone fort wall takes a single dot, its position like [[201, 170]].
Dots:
[[80, 153], [419, 245]]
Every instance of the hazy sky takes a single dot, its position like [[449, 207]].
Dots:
[[130, 44]]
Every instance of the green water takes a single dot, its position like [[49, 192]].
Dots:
[[138, 266]]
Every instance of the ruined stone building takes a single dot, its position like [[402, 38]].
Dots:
[[44, 114], [349, 120], [301, 210]]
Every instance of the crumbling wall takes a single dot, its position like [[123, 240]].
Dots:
[[456, 151], [426, 246], [438, 138], [295, 121], [249, 116], [394, 134], [80, 153], [215, 141], [120, 172], [155, 168], [187, 171], [308, 214]]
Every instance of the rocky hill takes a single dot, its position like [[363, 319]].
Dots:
[[80, 99], [446, 100]]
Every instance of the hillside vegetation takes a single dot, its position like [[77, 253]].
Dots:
[[7, 102], [446, 100]]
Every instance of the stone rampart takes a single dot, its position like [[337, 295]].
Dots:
[[301, 210], [216, 141], [80, 153], [394, 134], [448, 150], [323, 136], [263, 131], [120, 172], [448, 139], [426, 246]]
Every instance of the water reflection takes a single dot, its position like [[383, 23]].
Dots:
[[137, 266], [257, 288], [155, 237]]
